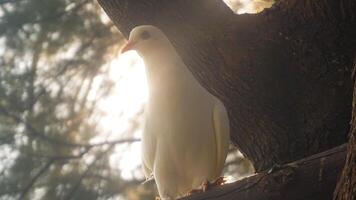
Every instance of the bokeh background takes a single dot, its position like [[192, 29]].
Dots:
[[71, 107]]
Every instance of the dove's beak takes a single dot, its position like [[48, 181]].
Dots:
[[128, 46]]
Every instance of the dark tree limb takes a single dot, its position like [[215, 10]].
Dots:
[[312, 178]]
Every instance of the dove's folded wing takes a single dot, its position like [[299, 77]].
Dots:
[[146, 171], [148, 152], [222, 134]]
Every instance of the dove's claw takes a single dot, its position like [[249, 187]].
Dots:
[[205, 186], [220, 181]]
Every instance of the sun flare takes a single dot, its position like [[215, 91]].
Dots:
[[123, 105]]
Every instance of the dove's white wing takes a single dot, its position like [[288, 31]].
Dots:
[[146, 171], [148, 150], [222, 134]]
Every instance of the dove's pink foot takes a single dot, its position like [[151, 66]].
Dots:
[[206, 185]]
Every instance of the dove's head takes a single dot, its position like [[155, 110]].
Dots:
[[146, 39]]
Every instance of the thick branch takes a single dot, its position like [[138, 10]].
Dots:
[[310, 178]]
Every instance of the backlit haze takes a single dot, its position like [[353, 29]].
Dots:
[[124, 105]]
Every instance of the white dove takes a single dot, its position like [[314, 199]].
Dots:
[[186, 134]]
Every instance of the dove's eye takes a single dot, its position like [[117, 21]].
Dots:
[[145, 35]]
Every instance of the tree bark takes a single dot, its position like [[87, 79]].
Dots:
[[312, 178], [346, 187], [283, 74]]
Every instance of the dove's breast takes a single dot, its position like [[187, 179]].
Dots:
[[182, 123]]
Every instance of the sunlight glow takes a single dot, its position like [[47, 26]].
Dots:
[[123, 105], [130, 162], [248, 6], [129, 73]]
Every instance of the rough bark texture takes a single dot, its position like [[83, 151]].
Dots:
[[312, 178], [346, 187], [283, 74]]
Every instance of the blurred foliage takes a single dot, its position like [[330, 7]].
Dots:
[[52, 53]]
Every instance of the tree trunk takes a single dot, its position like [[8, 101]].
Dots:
[[346, 188], [283, 74]]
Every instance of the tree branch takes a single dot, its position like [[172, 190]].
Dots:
[[35, 133], [35, 178], [309, 178], [76, 186]]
